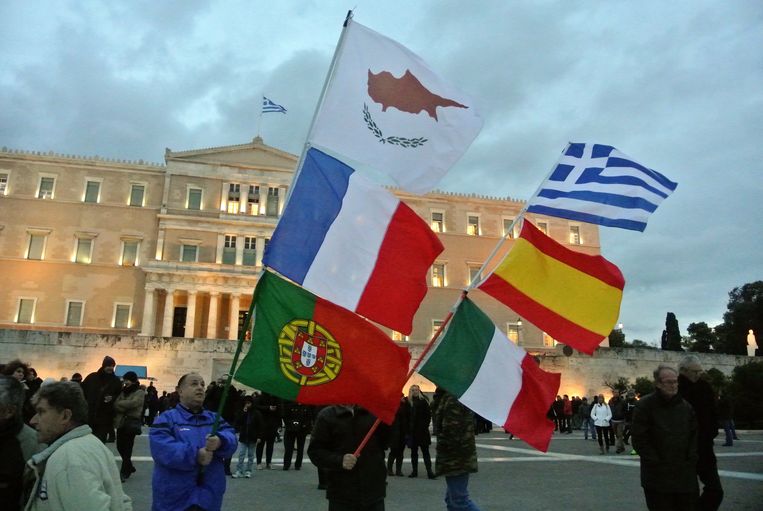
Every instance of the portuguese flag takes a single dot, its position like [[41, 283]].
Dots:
[[308, 350], [492, 376]]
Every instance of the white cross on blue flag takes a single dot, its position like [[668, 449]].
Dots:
[[598, 184], [269, 107]]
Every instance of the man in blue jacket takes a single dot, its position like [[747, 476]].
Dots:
[[189, 470]]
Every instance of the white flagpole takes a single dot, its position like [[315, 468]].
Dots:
[[520, 217], [321, 98], [259, 119]]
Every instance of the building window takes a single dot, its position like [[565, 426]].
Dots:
[[250, 251], [473, 225], [3, 183], [254, 200], [234, 197], [438, 275], [36, 248], [137, 194], [74, 311], [122, 315], [25, 314], [189, 253], [473, 271], [272, 205], [229, 250], [575, 235], [543, 227], [508, 229], [512, 332], [397, 336], [130, 252], [548, 341], [194, 199], [436, 324], [84, 251], [92, 191], [438, 221], [47, 187]]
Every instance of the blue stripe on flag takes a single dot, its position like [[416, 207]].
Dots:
[[593, 175], [601, 151], [575, 150], [561, 172], [632, 225], [315, 202], [613, 199], [622, 162]]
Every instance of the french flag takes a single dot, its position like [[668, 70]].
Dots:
[[353, 243]]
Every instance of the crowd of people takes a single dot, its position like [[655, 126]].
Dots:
[[65, 464]]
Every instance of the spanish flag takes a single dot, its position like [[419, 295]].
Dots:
[[573, 297]]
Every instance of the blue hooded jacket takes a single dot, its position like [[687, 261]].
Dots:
[[176, 437]]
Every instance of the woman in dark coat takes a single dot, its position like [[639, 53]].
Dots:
[[270, 408], [419, 417]]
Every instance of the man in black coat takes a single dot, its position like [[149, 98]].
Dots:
[[698, 392], [101, 389], [665, 435], [355, 483]]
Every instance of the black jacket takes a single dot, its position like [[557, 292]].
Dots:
[[418, 416], [249, 425], [96, 387], [701, 397], [337, 432], [665, 435]]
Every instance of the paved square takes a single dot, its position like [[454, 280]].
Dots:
[[571, 476]]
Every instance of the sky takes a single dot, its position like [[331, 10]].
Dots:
[[676, 85]]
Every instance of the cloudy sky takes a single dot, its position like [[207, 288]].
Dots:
[[677, 85]]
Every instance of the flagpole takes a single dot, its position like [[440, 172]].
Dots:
[[321, 99], [520, 217], [259, 120], [416, 364]]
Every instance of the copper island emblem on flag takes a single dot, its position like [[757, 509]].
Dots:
[[308, 353]]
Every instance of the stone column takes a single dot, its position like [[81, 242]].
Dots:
[[233, 319], [259, 250], [214, 299], [169, 310], [190, 318], [239, 250], [149, 313]]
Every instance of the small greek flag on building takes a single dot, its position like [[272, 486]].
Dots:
[[598, 184], [268, 106]]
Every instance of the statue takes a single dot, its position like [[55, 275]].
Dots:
[[752, 345]]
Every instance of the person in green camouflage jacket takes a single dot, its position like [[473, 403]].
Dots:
[[456, 450]]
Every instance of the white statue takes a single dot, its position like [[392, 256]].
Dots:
[[752, 345]]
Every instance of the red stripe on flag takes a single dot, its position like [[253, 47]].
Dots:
[[373, 370], [398, 282], [527, 417], [595, 266], [556, 326]]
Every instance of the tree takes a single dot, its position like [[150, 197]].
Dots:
[[672, 334], [638, 343], [746, 388], [622, 384], [744, 312], [700, 339], [643, 386], [716, 379], [616, 338]]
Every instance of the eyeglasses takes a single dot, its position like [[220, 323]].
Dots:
[[670, 382]]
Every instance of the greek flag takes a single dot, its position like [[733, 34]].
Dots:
[[268, 106], [598, 184]]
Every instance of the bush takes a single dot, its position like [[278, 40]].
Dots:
[[746, 390], [643, 386]]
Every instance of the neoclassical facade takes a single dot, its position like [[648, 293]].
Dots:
[[92, 245]]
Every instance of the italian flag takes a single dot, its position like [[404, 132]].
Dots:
[[492, 376], [308, 350]]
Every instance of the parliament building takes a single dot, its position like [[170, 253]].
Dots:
[[173, 250]]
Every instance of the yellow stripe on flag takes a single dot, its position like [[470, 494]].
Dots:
[[574, 295]]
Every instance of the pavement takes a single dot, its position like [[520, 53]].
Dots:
[[572, 475]]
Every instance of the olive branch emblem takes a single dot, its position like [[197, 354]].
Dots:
[[401, 141]]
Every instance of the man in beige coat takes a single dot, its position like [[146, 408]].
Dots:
[[76, 471]]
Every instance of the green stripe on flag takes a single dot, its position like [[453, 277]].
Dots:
[[277, 303], [458, 356]]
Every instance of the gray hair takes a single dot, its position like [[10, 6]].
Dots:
[[12, 396], [663, 367], [64, 395], [688, 361]]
